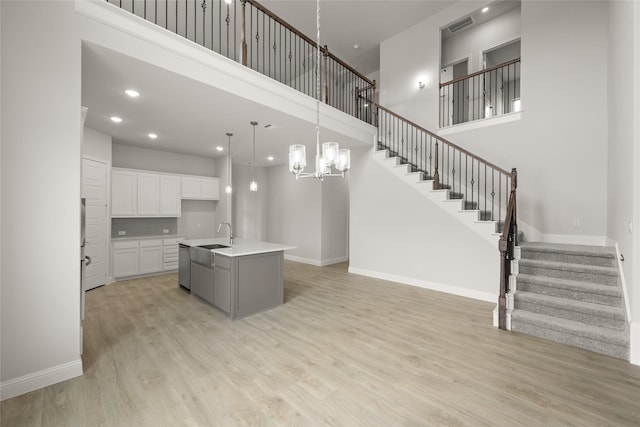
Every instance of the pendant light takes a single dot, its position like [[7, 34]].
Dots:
[[332, 157], [228, 189], [253, 185]]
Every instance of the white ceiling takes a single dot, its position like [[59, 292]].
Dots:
[[193, 118]]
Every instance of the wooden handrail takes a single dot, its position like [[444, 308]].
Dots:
[[303, 36], [477, 73], [457, 147]]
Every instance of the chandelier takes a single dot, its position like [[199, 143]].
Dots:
[[332, 161]]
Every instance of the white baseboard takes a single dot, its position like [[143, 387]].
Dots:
[[40, 379], [316, 262], [634, 350], [440, 287]]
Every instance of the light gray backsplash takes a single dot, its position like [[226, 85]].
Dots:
[[141, 227]]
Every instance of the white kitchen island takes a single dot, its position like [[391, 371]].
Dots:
[[242, 279]]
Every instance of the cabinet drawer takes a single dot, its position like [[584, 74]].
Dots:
[[171, 241], [170, 265], [150, 242], [222, 261], [170, 257], [125, 244], [171, 250]]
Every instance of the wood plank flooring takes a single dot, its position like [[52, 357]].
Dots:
[[344, 350]]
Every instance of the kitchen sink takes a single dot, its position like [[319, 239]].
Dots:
[[214, 246]]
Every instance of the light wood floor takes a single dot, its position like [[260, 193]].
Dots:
[[343, 350]]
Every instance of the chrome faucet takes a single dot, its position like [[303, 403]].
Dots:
[[230, 231]]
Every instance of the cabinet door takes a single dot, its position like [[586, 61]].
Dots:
[[190, 187], [210, 188], [170, 196], [202, 282], [222, 289], [151, 259], [125, 262], [148, 194], [123, 193]]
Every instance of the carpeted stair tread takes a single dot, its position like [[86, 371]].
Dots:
[[605, 335], [573, 285], [565, 266], [601, 251], [568, 305]]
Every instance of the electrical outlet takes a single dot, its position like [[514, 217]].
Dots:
[[122, 233], [165, 231], [576, 222]]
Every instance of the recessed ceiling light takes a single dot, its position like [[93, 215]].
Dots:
[[271, 158], [485, 10], [132, 93], [153, 135], [116, 119], [228, 1], [219, 148]]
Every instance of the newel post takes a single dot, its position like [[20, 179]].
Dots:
[[436, 175], [514, 187], [325, 73], [243, 33]]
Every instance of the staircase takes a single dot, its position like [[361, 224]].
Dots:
[[571, 294], [465, 211]]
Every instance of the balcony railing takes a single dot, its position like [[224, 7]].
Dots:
[[249, 33], [487, 93]]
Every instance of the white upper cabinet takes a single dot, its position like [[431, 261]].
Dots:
[[148, 194], [170, 196], [124, 193], [190, 187], [210, 188], [136, 193], [200, 188]]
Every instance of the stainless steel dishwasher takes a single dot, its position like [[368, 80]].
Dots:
[[184, 267]]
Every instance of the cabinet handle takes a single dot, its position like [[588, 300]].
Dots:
[[87, 260]]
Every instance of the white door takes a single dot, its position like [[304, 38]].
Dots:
[[94, 190]]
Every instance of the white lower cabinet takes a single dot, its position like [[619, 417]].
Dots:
[[150, 256], [145, 256]]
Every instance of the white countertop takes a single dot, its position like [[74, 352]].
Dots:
[[240, 247], [159, 236]]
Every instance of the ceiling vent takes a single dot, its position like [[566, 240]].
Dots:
[[457, 26]]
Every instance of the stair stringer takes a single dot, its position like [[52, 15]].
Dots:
[[454, 207]]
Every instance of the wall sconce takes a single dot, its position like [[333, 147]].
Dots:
[[421, 85]]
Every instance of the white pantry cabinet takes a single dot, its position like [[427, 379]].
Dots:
[[200, 188]]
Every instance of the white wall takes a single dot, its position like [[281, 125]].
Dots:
[[620, 185], [249, 208], [128, 156], [471, 43], [335, 219], [635, 301], [559, 144], [294, 213], [97, 145], [398, 234], [41, 159]]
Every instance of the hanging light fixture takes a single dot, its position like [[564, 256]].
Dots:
[[332, 161], [253, 185], [228, 188]]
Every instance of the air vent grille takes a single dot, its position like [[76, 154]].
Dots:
[[457, 26]]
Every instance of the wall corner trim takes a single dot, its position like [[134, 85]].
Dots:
[[440, 287], [40, 379]]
